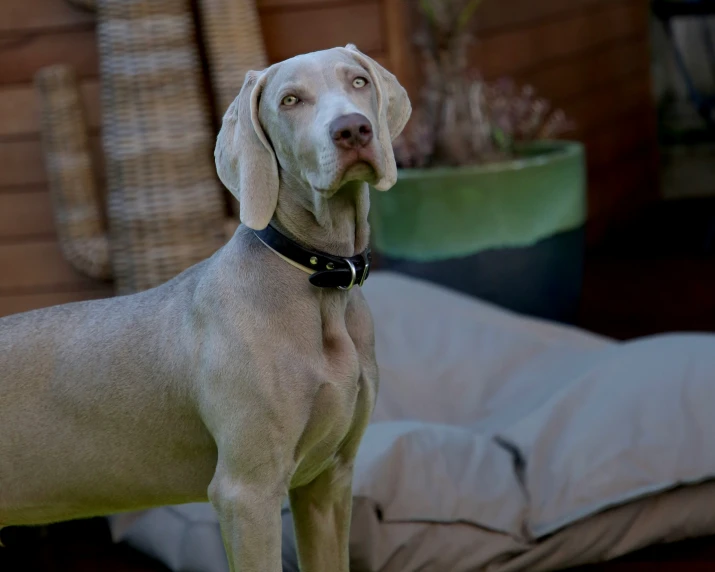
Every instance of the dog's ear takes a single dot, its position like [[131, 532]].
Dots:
[[245, 160], [394, 111]]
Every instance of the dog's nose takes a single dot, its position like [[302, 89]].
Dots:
[[351, 131]]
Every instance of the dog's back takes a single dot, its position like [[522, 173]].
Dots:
[[76, 432]]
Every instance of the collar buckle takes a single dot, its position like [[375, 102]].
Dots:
[[366, 267], [353, 276]]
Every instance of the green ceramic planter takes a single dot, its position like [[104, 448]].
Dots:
[[436, 214], [510, 233]]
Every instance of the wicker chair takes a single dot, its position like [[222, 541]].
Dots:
[[166, 208]]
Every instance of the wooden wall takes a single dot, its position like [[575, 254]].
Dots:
[[33, 34], [592, 59], [37, 33], [589, 56]]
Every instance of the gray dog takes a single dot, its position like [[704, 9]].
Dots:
[[240, 380]]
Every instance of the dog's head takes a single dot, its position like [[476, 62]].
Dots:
[[324, 119]]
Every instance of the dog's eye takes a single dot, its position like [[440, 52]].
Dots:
[[289, 100], [359, 82]]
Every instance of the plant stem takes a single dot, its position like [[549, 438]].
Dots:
[[466, 14], [427, 10]]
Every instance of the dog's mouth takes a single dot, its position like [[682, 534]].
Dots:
[[358, 165], [359, 170], [349, 166]]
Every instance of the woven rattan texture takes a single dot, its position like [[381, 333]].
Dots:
[[165, 204], [76, 206], [234, 44]]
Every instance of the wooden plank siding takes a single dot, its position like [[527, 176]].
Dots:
[[40, 15], [23, 160], [38, 33], [13, 303], [35, 34], [26, 214], [294, 30], [19, 113], [23, 53], [590, 57], [39, 265]]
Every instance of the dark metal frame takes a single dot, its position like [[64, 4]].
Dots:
[[666, 11]]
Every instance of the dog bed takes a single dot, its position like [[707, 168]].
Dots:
[[503, 443]]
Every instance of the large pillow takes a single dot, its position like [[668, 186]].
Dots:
[[448, 358], [495, 436]]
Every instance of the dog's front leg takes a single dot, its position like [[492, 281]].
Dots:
[[250, 519], [321, 518]]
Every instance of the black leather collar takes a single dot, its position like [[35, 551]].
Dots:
[[329, 271]]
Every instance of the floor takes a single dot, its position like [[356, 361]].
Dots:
[[656, 275], [86, 547], [82, 546]]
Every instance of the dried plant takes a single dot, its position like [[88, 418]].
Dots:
[[463, 120]]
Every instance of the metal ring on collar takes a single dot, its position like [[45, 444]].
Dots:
[[365, 270], [353, 276]]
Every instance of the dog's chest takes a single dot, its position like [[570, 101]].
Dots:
[[341, 399]]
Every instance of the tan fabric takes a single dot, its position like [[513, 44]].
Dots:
[[432, 547], [586, 423]]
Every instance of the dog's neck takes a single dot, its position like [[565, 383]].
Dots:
[[335, 225]]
